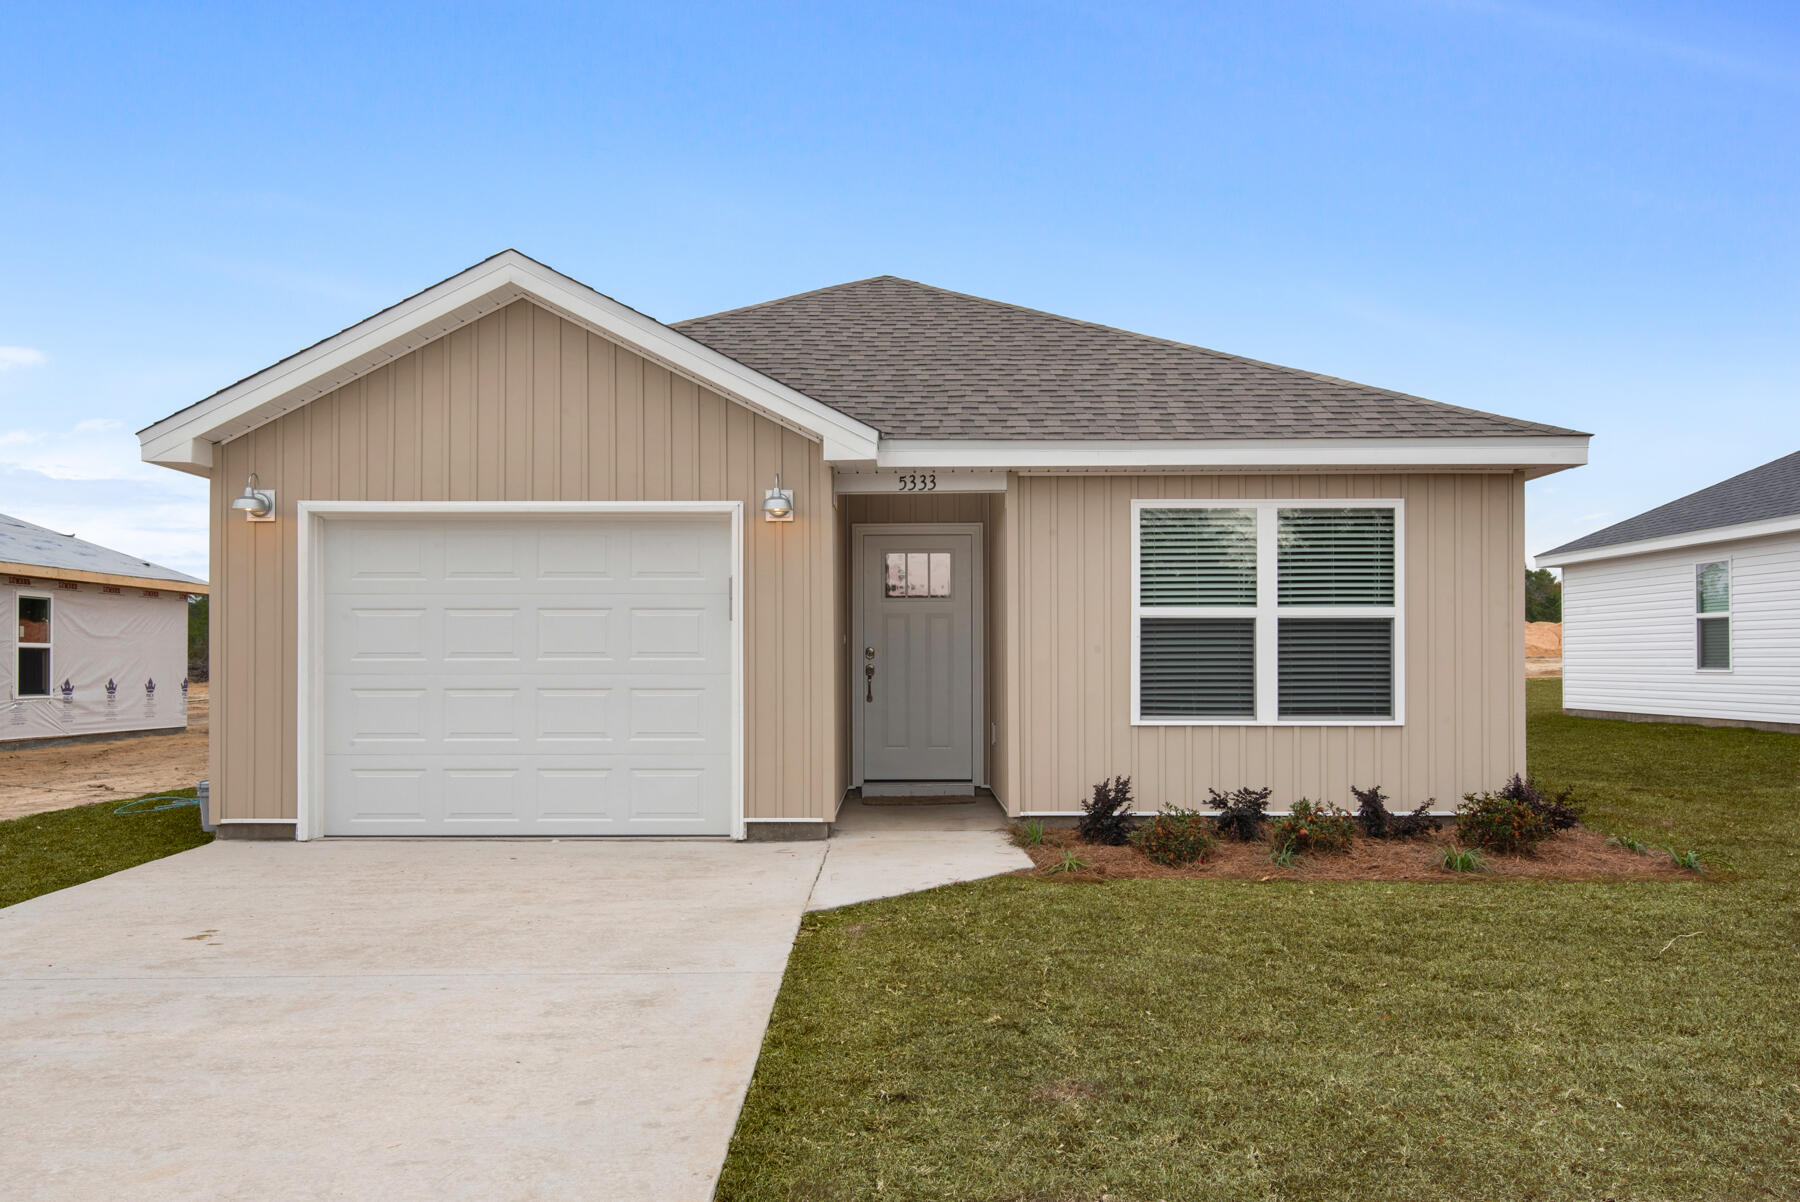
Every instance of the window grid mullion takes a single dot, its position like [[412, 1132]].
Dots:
[[1268, 667]]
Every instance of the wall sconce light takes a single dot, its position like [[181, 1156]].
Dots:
[[258, 504], [778, 503]]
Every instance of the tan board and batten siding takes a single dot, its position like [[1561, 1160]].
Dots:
[[1067, 574], [523, 405]]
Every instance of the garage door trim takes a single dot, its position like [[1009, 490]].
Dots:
[[313, 517]]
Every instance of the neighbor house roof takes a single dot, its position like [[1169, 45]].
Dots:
[[1766, 494], [920, 362], [888, 373], [28, 550]]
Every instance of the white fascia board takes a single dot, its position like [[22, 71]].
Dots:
[[1672, 542], [1545, 452], [184, 440]]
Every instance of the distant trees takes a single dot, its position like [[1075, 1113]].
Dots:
[[1543, 596], [197, 615]]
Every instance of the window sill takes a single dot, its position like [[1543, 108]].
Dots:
[[1288, 722]]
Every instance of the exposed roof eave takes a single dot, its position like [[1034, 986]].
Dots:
[[1671, 542], [184, 440]]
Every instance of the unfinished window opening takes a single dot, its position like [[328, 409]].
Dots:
[[33, 676]]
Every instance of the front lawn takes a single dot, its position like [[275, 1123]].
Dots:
[[44, 852], [1146, 1039]]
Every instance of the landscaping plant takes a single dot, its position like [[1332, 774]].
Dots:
[[1508, 825], [1070, 862], [1312, 826], [1106, 817], [1242, 813], [1559, 811], [1175, 836], [1379, 823], [1028, 833], [1461, 859]]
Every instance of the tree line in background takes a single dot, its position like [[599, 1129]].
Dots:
[[1543, 596], [198, 610]]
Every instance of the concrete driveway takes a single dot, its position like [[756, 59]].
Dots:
[[392, 1020]]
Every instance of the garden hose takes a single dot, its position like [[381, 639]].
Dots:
[[171, 803]]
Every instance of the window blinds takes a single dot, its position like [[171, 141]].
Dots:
[[1336, 556], [1197, 557], [1337, 667], [1197, 667]]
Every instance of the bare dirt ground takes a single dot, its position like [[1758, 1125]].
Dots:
[[35, 779], [1543, 649]]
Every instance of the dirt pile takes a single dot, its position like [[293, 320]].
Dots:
[[1543, 640]]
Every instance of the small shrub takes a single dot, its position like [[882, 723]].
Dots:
[[1242, 813], [1175, 836], [1630, 844], [1070, 862], [1312, 826], [1687, 859], [1378, 822], [1461, 859], [1500, 823], [1560, 811], [1284, 856], [1106, 817], [1029, 833]]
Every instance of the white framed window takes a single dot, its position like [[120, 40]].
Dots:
[[1712, 616], [32, 646], [1267, 613]]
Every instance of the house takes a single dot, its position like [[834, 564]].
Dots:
[[1690, 612], [512, 558], [99, 638]]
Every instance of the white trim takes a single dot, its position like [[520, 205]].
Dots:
[[1725, 616], [253, 821], [1267, 612], [764, 820], [1202, 813], [1672, 542], [980, 748], [184, 440], [309, 715], [1536, 451]]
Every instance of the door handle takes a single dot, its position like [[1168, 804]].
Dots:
[[869, 683]]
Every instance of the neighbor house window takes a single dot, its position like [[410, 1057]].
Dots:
[[33, 678], [1266, 612], [1712, 616]]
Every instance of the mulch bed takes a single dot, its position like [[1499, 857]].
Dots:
[[1574, 855]]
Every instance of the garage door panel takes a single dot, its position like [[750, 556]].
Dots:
[[527, 676]]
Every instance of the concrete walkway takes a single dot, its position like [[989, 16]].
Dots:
[[886, 850], [435, 1019]]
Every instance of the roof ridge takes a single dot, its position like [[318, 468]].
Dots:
[[789, 297], [1302, 373]]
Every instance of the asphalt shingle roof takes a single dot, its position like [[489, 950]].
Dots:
[[22, 542], [1769, 491], [915, 361]]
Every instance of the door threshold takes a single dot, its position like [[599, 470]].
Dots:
[[918, 788]]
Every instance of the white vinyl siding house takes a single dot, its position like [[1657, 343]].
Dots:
[[1690, 612], [1641, 635]]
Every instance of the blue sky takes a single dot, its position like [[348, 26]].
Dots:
[[1582, 213]]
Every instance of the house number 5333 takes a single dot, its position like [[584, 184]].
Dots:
[[916, 482]]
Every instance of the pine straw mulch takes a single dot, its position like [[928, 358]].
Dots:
[[1574, 855]]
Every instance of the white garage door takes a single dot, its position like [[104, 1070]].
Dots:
[[526, 676]]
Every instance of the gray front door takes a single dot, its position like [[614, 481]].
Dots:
[[915, 663]]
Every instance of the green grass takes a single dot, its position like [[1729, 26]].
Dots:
[[41, 853], [1484, 1039]]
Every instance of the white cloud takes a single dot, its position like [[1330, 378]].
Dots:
[[20, 356], [87, 480]]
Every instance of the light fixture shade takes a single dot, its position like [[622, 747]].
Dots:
[[778, 503], [258, 504]]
